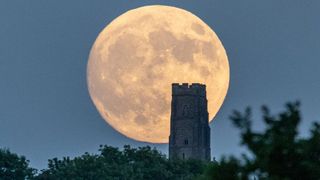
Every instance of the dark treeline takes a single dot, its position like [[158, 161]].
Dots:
[[276, 153]]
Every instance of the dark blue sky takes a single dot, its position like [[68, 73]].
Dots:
[[45, 109]]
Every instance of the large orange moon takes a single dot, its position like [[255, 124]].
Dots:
[[137, 57]]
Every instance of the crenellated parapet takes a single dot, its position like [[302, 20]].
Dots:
[[184, 89]]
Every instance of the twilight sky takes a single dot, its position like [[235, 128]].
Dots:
[[45, 109]]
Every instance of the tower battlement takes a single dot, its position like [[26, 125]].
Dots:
[[188, 89]]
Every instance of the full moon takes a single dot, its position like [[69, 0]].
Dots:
[[137, 57]]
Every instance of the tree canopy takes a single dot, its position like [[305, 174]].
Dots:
[[13, 166], [129, 163], [277, 152]]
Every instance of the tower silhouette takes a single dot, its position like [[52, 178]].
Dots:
[[189, 126]]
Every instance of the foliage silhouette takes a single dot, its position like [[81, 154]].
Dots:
[[13, 166], [130, 163], [227, 168], [275, 153]]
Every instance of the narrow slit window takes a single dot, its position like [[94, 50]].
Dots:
[[186, 142]]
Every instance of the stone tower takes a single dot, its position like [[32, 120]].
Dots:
[[189, 126]]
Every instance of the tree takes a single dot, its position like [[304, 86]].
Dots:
[[277, 152], [226, 169], [13, 166], [129, 163]]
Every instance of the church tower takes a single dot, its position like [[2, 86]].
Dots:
[[189, 126]]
